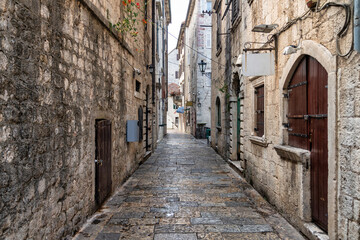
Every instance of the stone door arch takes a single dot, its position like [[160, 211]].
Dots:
[[328, 61]]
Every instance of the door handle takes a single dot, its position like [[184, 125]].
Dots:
[[99, 162]]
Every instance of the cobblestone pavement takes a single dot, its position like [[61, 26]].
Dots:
[[186, 191]]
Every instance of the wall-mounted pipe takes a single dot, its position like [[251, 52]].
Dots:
[[357, 25]]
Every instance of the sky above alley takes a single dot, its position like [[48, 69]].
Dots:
[[178, 15]]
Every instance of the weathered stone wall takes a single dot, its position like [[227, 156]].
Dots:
[[220, 85], [348, 155], [60, 70], [285, 183]]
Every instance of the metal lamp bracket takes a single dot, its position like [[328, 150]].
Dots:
[[248, 47]]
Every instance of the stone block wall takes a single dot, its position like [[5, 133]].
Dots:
[[349, 148], [286, 183], [220, 84], [61, 68]]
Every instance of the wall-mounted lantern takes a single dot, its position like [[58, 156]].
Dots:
[[265, 28], [202, 66]]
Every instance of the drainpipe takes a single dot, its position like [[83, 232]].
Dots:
[[357, 25], [153, 37]]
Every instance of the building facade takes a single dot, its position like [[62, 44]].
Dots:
[[196, 46], [291, 132], [69, 85], [163, 19], [175, 106]]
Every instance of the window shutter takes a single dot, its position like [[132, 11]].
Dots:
[[235, 9], [259, 92]]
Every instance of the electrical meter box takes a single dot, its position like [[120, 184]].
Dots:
[[132, 131]]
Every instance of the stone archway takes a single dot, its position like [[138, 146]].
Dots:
[[328, 61]]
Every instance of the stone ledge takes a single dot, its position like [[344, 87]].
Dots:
[[258, 141], [313, 232], [292, 153]]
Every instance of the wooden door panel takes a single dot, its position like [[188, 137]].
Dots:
[[297, 90], [307, 118], [317, 106], [103, 180]]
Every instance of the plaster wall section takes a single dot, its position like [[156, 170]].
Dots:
[[174, 67], [203, 80], [61, 68]]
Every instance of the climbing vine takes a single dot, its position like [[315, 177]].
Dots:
[[133, 17]]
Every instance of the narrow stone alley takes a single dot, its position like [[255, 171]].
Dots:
[[186, 191]]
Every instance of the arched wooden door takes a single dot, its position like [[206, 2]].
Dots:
[[307, 117]]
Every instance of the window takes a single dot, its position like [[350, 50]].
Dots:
[[176, 121], [208, 6], [235, 9], [218, 112], [218, 31], [137, 86], [176, 74], [146, 13], [259, 111]]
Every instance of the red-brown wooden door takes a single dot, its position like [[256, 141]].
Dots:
[[317, 117], [103, 180], [307, 118]]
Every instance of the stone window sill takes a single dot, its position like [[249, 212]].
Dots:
[[138, 95], [292, 153], [258, 141]]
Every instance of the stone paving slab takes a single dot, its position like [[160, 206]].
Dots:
[[186, 191]]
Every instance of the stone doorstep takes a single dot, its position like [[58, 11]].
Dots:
[[313, 232], [235, 165]]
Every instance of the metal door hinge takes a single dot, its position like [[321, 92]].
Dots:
[[286, 125], [100, 162]]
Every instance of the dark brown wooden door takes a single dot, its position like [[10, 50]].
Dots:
[[317, 111], [103, 161], [307, 118]]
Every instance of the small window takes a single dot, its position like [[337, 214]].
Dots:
[[259, 111], [137, 86], [218, 112], [208, 6], [218, 31], [176, 121], [176, 74], [235, 9]]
